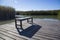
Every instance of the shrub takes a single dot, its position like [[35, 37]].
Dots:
[[6, 13]]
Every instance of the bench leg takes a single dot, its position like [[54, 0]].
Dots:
[[32, 20], [27, 20], [15, 23], [21, 24]]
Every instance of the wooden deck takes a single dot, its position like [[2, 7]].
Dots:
[[41, 30]]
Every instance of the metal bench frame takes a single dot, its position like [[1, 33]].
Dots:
[[22, 19]]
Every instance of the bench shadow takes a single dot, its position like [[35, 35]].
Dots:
[[30, 31]]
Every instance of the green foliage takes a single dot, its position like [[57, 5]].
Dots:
[[59, 15], [39, 13], [9, 13], [51, 12], [6, 13]]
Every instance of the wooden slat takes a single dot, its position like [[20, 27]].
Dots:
[[6, 37], [1, 38], [11, 35], [49, 31]]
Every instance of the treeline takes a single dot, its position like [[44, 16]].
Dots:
[[59, 15], [50, 12], [6, 13]]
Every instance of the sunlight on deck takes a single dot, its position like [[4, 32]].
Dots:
[[41, 30]]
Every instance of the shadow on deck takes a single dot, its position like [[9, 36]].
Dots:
[[30, 31]]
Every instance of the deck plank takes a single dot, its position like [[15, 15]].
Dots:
[[50, 30]]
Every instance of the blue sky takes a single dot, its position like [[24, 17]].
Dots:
[[26, 5]]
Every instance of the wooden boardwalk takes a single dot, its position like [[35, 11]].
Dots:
[[41, 30]]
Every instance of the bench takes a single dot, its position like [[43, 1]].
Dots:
[[21, 18]]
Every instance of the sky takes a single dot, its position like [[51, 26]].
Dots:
[[26, 5]]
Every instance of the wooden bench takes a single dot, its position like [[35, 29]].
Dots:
[[18, 18]]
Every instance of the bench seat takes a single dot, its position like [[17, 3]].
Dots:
[[25, 18]]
